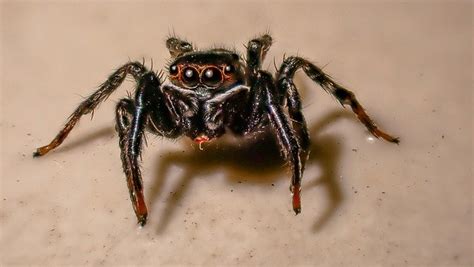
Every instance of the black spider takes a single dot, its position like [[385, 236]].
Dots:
[[212, 91]]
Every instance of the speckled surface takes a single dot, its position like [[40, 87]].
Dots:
[[365, 202]]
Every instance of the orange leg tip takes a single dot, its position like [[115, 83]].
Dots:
[[296, 200], [39, 152], [396, 140], [141, 211], [391, 139], [297, 210], [378, 133], [141, 220]]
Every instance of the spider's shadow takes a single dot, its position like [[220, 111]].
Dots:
[[259, 161]]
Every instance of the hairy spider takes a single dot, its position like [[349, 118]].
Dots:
[[209, 92]]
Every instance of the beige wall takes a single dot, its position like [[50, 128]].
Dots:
[[364, 202]]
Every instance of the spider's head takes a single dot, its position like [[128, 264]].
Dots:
[[206, 70]]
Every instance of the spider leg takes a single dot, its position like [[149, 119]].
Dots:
[[124, 115], [177, 46], [136, 69], [285, 133], [251, 118], [293, 102], [256, 50], [285, 82], [132, 117]]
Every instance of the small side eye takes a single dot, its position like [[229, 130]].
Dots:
[[190, 76], [211, 76], [174, 70], [229, 69]]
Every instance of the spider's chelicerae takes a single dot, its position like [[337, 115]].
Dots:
[[211, 92]]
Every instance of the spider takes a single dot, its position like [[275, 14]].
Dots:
[[210, 92]]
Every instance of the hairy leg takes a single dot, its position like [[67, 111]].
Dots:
[[286, 136], [252, 115], [124, 116], [256, 50], [177, 46], [132, 118], [87, 106], [285, 82], [293, 102]]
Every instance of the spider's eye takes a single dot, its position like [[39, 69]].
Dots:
[[211, 76], [229, 69], [174, 70], [190, 76]]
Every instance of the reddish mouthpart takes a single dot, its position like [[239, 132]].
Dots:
[[201, 139], [296, 199]]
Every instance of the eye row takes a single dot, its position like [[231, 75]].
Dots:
[[210, 76]]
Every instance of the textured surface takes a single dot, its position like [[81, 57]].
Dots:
[[365, 202]]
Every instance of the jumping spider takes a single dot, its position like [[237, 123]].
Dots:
[[209, 92]]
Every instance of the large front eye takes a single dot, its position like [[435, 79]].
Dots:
[[190, 76], [211, 76]]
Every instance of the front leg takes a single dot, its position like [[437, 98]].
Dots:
[[251, 117], [135, 69], [124, 115], [178, 47], [132, 117], [285, 82], [285, 133], [256, 51]]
